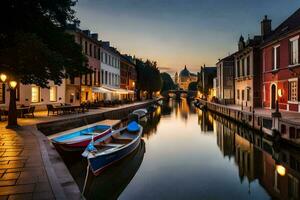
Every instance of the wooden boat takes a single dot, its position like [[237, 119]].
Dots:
[[140, 112], [113, 147], [78, 139], [118, 176]]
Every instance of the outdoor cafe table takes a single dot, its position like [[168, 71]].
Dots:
[[68, 108]]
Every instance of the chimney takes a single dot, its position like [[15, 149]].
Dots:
[[87, 32], [94, 36], [266, 26]]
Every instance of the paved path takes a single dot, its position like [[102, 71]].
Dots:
[[286, 115], [29, 167], [22, 172]]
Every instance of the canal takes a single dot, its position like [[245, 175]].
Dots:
[[190, 154]]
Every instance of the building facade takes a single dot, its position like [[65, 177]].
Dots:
[[225, 80], [185, 78], [86, 84], [248, 73], [110, 71], [281, 66], [128, 77], [205, 80]]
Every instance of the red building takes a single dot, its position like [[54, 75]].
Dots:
[[281, 64], [128, 76]]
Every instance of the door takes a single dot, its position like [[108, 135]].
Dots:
[[273, 96]]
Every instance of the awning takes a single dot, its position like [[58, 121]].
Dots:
[[106, 89], [100, 90]]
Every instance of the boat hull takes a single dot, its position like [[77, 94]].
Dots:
[[99, 163], [81, 145]]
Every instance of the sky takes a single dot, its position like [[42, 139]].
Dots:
[[176, 33]]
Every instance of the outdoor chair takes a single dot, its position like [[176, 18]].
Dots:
[[30, 112], [50, 108]]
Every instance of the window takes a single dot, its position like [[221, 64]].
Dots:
[[35, 94], [293, 93], [53, 93], [238, 68], [2, 93], [106, 77], [91, 53], [102, 57], [248, 94], [243, 95], [99, 54], [242, 67], [85, 47], [294, 50], [248, 65], [276, 57], [238, 94], [106, 60], [102, 76], [109, 78]]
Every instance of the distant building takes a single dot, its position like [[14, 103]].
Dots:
[[185, 78], [281, 64], [248, 73], [205, 80], [225, 80]]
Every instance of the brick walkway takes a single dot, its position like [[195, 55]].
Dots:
[[22, 172]]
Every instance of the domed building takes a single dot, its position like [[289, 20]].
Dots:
[[185, 78]]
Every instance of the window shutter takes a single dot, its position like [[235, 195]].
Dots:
[[278, 57], [290, 53], [289, 91], [273, 58]]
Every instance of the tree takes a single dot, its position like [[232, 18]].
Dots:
[[34, 47], [148, 77], [167, 82], [193, 86]]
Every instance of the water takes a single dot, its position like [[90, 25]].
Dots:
[[190, 154]]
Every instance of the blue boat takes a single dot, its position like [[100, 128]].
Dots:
[[77, 139], [113, 147]]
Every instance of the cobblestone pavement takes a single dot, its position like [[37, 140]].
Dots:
[[22, 173]]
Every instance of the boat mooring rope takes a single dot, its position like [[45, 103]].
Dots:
[[86, 178]]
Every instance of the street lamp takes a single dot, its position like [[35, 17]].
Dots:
[[13, 84], [12, 111], [3, 77]]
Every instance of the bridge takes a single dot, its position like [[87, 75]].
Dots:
[[178, 93]]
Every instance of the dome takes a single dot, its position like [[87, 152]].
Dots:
[[185, 72]]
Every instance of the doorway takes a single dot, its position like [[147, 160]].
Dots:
[[273, 96]]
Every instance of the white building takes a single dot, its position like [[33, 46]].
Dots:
[[32, 95], [110, 71]]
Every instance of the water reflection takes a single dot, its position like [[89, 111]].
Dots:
[[277, 170], [224, 161]]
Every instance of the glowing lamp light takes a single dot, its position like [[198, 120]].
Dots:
[[13, 84], [280, 93], [133, 83], [3, 77], [280, 170]]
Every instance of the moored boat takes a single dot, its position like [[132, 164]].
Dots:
[[118, 144], [77, 139], [140, 112]]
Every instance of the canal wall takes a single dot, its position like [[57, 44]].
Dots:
[[289, 131], [49, 128]]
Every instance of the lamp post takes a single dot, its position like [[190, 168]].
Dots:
[[12, 110]]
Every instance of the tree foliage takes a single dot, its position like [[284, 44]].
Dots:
[[34, 47], [193, 86], [167, 82], [148, 76]]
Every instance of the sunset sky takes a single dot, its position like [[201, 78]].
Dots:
[[179, 32]]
